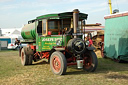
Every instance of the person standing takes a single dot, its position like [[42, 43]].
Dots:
[[17, 43], [88, 39]]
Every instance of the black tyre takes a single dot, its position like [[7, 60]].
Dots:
[[90, 61], [58, 63], [24, 57], [30, 60]]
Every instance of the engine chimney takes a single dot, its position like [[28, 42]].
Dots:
[[75, 21]]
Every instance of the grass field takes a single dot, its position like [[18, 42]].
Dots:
[[13, 73]]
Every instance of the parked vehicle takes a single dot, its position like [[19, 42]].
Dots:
[[12, 46], [58, 38], [116, 37]]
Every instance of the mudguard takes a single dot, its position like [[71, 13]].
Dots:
[[90, 48], [28, 50]]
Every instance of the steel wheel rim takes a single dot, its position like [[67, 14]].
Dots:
[[22, 57], [56, 63]]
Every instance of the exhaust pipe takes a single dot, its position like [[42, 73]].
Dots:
[[75, 21]]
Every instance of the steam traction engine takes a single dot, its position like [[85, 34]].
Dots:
[[58, 38]]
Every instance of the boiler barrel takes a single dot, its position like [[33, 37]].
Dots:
[[28, 31]]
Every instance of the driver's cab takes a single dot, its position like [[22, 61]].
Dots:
[[56, 26]]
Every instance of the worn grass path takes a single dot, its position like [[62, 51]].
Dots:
[[13, 73]]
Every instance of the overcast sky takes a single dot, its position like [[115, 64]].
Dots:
[[15, 13]]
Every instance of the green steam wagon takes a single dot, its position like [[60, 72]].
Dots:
[[58, 38]]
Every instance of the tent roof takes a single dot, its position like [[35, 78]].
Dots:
[[10, 31], [16, 32]]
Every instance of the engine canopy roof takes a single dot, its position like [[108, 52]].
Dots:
[[60, 16]]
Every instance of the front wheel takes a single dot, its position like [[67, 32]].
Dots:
[[24, 57], [58, 63], [90, 61]]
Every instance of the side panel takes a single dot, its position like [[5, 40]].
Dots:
[[39, 44], [49, 42], [116, 37]]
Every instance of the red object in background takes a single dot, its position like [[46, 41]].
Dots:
[[59, 33], [49, 32], [90, 42], [12, 45]]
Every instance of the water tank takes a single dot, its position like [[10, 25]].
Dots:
[[28, 31]]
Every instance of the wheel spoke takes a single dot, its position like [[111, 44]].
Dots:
[[56, 64], [90, 61], [87, 61], [92, 65]]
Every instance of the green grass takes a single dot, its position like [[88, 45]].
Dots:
[[13, 73]]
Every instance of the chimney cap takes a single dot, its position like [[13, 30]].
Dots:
[[76, 10]]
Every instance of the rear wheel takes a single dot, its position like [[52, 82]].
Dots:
[[58, 63], [90, 61], [24, 57], [20, 52], [30, 60]]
